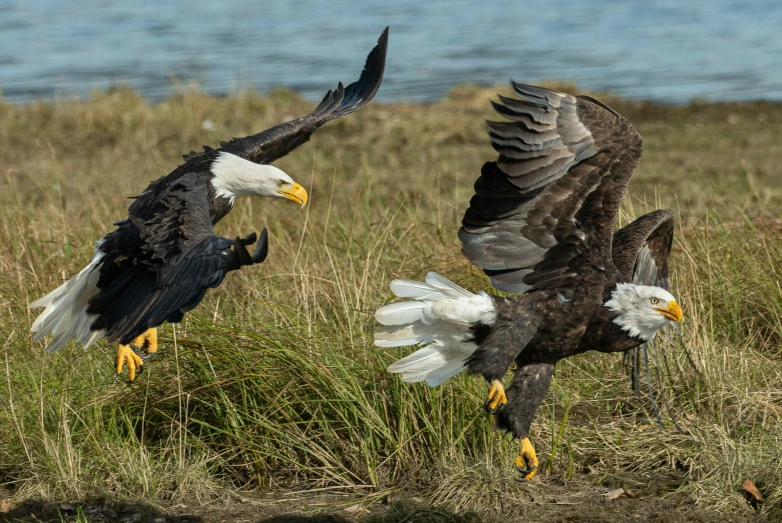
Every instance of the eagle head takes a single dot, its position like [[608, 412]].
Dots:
[[233, 176], [642, 309]]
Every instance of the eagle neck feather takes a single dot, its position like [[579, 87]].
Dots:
[[631, 319], [233, 176]]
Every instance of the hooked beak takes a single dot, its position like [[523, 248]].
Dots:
[[296, 193], [673, 312]]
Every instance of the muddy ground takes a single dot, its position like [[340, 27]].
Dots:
[[635, 501]]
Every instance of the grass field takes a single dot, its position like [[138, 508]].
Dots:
[[273, 384]]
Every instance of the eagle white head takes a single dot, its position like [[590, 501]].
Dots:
[[234, 176], [643, 309]]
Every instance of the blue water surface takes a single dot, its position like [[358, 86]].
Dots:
[[664, 50]]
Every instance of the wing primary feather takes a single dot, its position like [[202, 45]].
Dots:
[[363, 90], [563, 160], [541, 95], [275, 142]]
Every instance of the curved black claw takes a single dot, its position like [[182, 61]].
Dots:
[[261, 250], [486, 407], [491, 410], [249, 239], [142, 354], [524, 473], [496, 397]]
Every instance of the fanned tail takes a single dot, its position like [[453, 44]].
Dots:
[[439, 316], [65, 315]]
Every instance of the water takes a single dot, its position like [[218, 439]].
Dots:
[[671, 51]]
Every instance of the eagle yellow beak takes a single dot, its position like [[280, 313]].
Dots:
[[295, 193], [673, 312]]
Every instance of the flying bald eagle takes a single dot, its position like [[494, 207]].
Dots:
[[158, 263], [541, 224]]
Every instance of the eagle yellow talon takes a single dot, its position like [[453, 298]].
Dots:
[[527, 461], [147, 341], [496, 397], [127, 355]]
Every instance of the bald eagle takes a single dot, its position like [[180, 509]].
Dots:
[[158, 263], [541, 225]]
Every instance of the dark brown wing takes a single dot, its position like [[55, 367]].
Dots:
[[278, 141], [640, 254], [641, 249], [548, 205]]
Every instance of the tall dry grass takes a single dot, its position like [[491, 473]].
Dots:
[[273, 381]]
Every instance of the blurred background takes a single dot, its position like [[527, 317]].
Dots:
[[663, 50]]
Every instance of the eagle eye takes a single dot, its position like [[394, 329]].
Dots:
[[281, 183], [655, 301]]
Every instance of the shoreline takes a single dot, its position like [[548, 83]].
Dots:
[[455, 92]]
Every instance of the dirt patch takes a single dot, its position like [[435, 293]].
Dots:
[[545, 503]]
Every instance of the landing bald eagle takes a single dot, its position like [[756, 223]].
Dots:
[[541, 224], [158, 263]]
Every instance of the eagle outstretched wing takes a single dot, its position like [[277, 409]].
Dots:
[[159, 262], [640, 250], [640, 254], [274, 143], [165, 272], [550, 201], [159, 265]]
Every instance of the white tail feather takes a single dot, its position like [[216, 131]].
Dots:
[[449, 287], [65, 315], [401, 313], [411, 334], [444, 373], [415, 289], [441, 315]]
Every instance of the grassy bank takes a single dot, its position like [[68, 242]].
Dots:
[[273, 382]]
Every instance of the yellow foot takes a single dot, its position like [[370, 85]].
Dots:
[[526, 462], [128, 355], [496, 397]]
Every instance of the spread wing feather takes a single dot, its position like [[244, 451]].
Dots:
[[274, 143], [548, 204], [640, 254], [640, 250], [158, 264]]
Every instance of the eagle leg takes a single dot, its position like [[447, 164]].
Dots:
[[496, 398], [527, 461], [130, 356]]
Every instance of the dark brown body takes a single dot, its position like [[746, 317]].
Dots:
[[561, 332]]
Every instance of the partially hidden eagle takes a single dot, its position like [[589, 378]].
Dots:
[[158, 263], [541, 225]]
